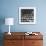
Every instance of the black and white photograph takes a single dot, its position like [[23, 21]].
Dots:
[[27, 15]]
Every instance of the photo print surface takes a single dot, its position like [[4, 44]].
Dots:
[[27, 15]]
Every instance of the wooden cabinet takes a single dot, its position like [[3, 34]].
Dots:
[[13, 43], [15, 39], [20, 39], [33, 43], [10, 43]]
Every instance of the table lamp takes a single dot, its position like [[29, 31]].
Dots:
[[9, 21]]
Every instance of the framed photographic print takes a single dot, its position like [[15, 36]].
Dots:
[[27, 15]]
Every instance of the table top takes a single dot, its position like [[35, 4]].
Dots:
[[22, 35]]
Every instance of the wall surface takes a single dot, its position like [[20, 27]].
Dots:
[[10, 8]]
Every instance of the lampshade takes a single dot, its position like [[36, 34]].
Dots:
[[9, 21]]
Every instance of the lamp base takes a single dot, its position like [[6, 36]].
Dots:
[[9, 33]]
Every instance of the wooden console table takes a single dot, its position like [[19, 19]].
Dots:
[[20, 39]]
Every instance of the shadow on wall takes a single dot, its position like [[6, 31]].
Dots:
[[2, 21]]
